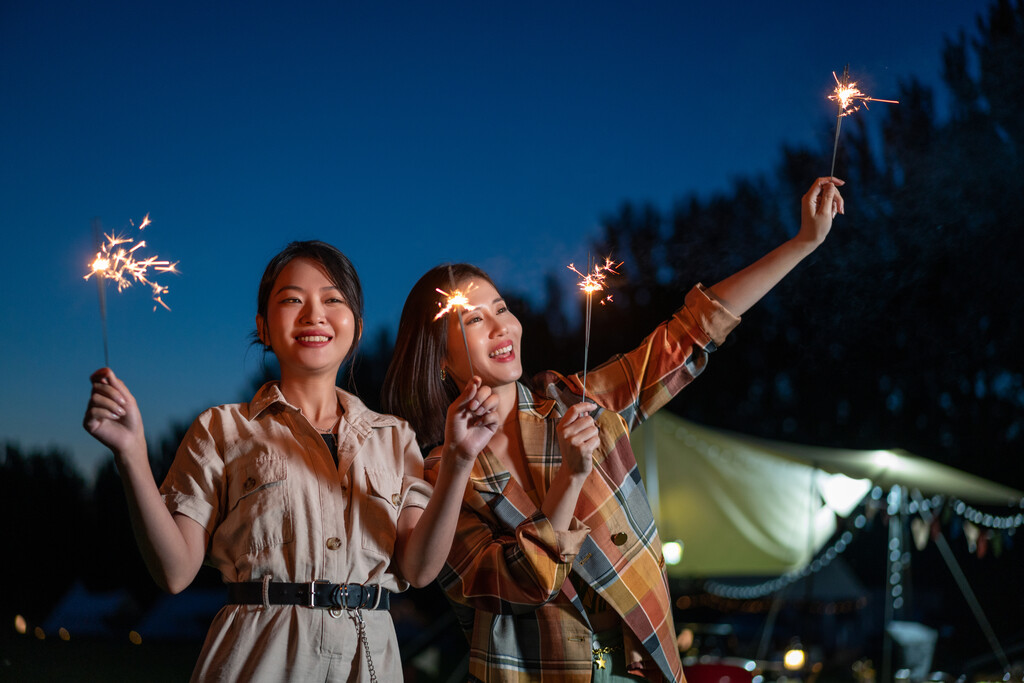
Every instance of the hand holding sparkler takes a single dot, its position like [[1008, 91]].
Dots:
[[849, 99], [592, 282], [471, 422], [112, 417], [578, 438], [818, 207]]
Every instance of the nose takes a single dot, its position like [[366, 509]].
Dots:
[[313, 312], [498, 328]]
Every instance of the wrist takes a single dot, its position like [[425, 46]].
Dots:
[[131, 453], [570, 478], [803, 244], [456, 455]]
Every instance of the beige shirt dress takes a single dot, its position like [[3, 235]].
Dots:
[[263, 483]]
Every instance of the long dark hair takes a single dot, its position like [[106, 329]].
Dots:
[[413, 388], [336, 267]]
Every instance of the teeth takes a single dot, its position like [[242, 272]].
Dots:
[[502, 351], [317, 338]]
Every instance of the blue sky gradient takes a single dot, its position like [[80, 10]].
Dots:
[[407, 134]]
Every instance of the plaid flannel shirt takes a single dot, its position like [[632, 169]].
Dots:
[[507, 575]]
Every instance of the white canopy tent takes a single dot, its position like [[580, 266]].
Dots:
[[745, 506]]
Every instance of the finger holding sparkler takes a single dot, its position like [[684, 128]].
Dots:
[[849, 98], [471, 421], [113, 417], [819, 206], [591, 282], [578, 438], [456, 301]]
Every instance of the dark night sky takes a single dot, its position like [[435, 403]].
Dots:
[[405, 133]]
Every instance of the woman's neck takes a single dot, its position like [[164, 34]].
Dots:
[[508, 401], [315, 396]]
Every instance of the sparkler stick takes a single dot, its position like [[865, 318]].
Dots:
[[591, 282], [846, 95], [102, 289], [123, 266], [454, 300]]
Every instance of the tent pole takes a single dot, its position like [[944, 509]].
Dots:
[[769, 626], [964, 585], [810, 530]]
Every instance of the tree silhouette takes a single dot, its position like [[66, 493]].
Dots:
[[43, 503]]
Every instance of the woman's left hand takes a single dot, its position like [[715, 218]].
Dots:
[[578, 438], [818, 207]]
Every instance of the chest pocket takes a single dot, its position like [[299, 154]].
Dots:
[[379, 511], [258, 514]]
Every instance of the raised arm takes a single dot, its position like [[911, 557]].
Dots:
[[740, 291], [172, 546], [425, 534]]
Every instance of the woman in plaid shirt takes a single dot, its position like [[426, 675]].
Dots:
[[556, 571]]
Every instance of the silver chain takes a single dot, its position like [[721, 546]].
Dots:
[[366, 644]]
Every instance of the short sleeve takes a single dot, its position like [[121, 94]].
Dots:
[[416, 491], [193, 484]]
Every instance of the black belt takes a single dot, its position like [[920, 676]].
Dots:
[[313, 594]]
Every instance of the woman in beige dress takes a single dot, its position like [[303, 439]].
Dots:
[[312, 507]]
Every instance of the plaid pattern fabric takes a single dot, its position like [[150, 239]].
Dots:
[[507, 573]]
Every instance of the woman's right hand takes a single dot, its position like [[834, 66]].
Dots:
[[112, 416], [578, 438], [472, 421]]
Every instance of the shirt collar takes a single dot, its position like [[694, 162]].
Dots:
[[533, 404], [356, 414]]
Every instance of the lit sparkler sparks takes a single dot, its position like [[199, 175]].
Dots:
[[116, 260], [453, 301], [590, 282], [123, 266], [849, 99]]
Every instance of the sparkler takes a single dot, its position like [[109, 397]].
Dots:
[[455, 300], [101, 287], [591, 282], [116, 261], [849, 99]]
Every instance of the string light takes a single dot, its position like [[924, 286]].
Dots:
[[824, 559], [936, 503]]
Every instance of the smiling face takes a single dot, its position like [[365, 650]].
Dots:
[[309, 324], [493, 335]]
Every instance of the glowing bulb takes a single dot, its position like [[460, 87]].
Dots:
[[794, 658], [673, 552]]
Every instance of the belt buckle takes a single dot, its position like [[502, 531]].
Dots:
[[312, 590], [343, 592]]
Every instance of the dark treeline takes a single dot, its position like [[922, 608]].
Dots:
[[902, 331]]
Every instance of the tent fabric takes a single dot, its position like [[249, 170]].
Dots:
[[746, 507]]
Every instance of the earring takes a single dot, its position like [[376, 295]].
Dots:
[[444, 374]]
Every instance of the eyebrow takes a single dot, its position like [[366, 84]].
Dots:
[[296, 288], [470, 309]]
